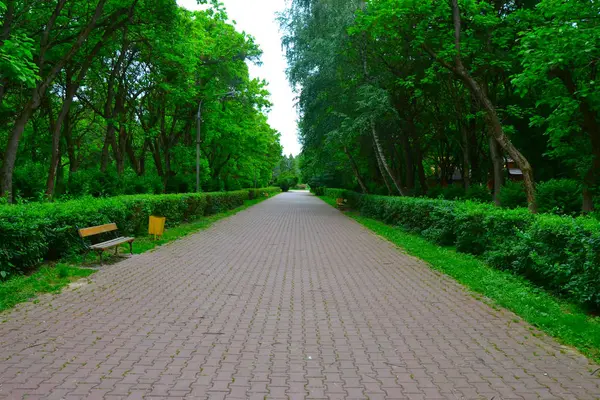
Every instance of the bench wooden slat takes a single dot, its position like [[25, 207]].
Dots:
[[112, 243], [95, 230]]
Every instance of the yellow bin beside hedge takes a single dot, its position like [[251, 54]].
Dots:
[[156, 226]]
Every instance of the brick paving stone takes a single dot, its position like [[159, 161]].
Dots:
[[289, 299]]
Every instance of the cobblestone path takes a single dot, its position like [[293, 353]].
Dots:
[[288, 299]]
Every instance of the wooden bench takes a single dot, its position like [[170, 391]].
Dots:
[[101, 247]]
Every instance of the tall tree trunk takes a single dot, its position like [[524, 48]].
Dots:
[[104, 158], [590, 125], [356, 171], [497, 169], [382, 170], [56, 128], [466, 163], [68, 134], [386, 167], [588, 196], [418, 152], [10, 155], [409, 164], [420, 169], [474, 153], [71, 88], [55, 156], [491, 116], [155, 150]]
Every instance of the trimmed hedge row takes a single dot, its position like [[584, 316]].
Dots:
[[559, 253], [35, 232], [261, 192]]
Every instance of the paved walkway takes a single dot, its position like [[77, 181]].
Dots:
[[289, 299]]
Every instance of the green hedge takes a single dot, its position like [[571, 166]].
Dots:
[[34, 232], [561, 254], [256, 193]]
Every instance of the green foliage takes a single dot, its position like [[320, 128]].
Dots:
[[287, 180], [35, 232], [559, 196], [318, 190], [383, 84], [263, 192], [569, 323], [512, 195], [478, 193], [287, 173], [560, 254], [113, 107], [452, 192]]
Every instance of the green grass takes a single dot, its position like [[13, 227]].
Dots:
[[45, 280], [565, 321], [51, 279]]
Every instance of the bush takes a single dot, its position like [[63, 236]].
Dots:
[[286, 181], [559, 253], [318, 190], [559, 196], [261, 192], [35, 232], [478, 193], [513, 195]]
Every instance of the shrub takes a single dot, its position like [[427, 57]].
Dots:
[[453, 192], [559, 196], [286, 181], [33, 232], [478, 193], [256, 193], [318, 190], [513, 195], [559, 253], [435, 192]]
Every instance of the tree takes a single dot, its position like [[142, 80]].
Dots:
[[106, 93], [559, 54]]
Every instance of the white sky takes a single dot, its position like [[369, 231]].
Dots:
[[257, 18]]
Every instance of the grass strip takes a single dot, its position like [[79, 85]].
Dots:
[[47, 279], [565, 321], [53, 278]]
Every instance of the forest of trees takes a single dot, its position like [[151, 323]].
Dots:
[[102, 98], [396, 96]]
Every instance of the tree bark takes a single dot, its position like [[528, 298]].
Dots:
[[386, 167], [420, 169], [10, 155], [591, 126], [491, 116], [409, 164], [104, 157], [356, 171], [497, 169], [55, 151], [68, 134], [382, 170], [466, 167]]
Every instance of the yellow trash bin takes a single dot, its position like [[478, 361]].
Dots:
[[156, 226]]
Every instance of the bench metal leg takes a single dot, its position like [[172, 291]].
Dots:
[[100, 253], [116, 250], [131, 248]]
